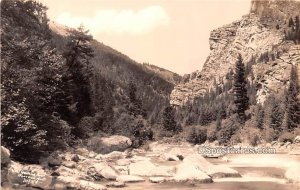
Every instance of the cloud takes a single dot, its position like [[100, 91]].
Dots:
[[119, 21]]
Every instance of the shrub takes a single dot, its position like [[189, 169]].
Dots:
[[86, 126], [228, 129], [286, 137], [235, 139], [297, 131], [211, 135], [197, 136], [270, 135], [254, 139]]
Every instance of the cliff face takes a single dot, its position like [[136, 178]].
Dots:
[[253, 36], [275, 9]]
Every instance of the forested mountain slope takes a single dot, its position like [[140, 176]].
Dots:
[[60, 85]]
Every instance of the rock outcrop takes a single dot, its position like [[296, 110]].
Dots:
[[5, 156], [109, 144], [256, 34]]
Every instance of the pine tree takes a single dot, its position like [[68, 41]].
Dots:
[[192, 136], [135, 106], [169, 122], [218, 122], [260, 115], [291, 22], [78, 54], [292, 107], [240, 91], [276, 115]]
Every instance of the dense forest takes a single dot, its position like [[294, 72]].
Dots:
[[59, 90]]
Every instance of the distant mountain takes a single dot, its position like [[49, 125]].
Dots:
[[167, 75]]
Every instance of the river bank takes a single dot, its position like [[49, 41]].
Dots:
[[158, 165]]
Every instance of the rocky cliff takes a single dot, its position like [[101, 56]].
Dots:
[[259, 33]]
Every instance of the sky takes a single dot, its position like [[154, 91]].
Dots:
[[172, 34]]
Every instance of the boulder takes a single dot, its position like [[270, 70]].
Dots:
[[52, 162], [142, 168], [157, 179], [293, 174], [115, 155], [65, 171], [66, 182], [13, 172], [215, 171], [109, 144], [75, 158], [92, 154], [122, 169], [297, 139], [82, 152], [5, 156], [123, 162], [186, 172], [169, 157], [99, 157], [130, 179], [116, 184], [147, 168], [103, 169], [89, 185], [31, 175], [69, 164], [163, 171]]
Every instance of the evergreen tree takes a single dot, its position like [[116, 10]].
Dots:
[[78, 53], [192, 136], [292, 107], [260, 115], [31, 81], [291, 22], [169, 122], [218, 122], [276, 115], [240, 91], [135, 106]]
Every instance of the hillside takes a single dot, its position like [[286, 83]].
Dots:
[[153, 87], [60, 85]]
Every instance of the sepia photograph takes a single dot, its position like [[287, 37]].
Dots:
[[150, 94]]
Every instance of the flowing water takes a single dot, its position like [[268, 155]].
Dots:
[[256, 174]]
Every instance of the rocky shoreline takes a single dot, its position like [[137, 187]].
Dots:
[[159, 162]]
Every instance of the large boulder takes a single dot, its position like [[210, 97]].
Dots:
[[32, 175], [215, 171], [13, 172], [186, 172], [5, 156], [147, 168], [106, 171], [109, 144]]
